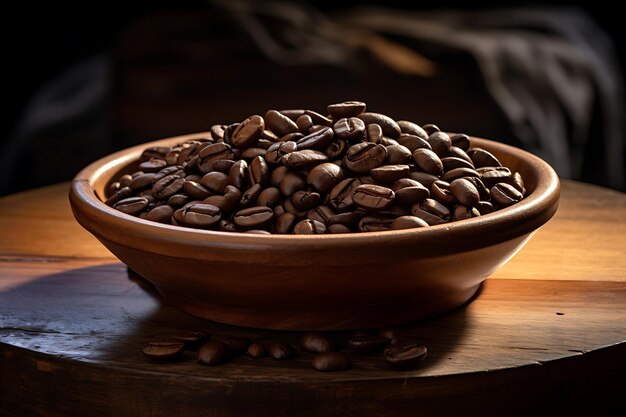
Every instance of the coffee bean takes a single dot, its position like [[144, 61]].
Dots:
[[303, 160], [155, 152], [388, 125], [131, 205], [338, 229], [195, 190], [348, 219], [178, 200], [193, 340], [322, 214], [412, 129], [325, 176], [284, 223], [451, 162], [411, 194], [373, 133], [217, 132], [440, 143], [362, 157], [368, 343], [197, 215], [256, 350], [167, 186], [431, 211], [304, 123], [483, 158], [373, 197], [440, 191], [247, 154], [249, 198], [504, 194], [164, 350], [215, 181], [153, 165], [238, 174], [269, 197], [141, 181], [462, 212], [484, 207], [387, 174], [423, 178], [398, 155], [253, 217], [405, 356], [213, 353], [337, 149], [279, 123], [160, 214], [258, 171], [407, 222], [459, 173], [413, 142], [341, 194], [318, 119], [428, 161], [318, 342], [430, 128], [346, 109], [293, 114], [493, 175], [292, 182], [304, 200], [374, 224], [331, 362], [280, 350], [518, 183], [350, 129], [464, 192], [460, 140], [456, 152], [309, 227]]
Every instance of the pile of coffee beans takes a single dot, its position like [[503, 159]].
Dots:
[[298, 171], [399, 352]]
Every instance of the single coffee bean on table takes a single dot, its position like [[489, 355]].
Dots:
[[349, 170], [164, 350]]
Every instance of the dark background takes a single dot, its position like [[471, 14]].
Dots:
[[168, 72]]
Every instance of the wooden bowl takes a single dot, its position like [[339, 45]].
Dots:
[[320, 281]]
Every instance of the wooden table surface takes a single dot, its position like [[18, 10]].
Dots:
[[546, 332]]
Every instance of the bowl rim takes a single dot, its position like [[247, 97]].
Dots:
[[514, 221]]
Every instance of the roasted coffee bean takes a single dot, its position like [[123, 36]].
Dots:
[[407, 222], [278, 150], [278, 174], [258, 171], [228, 202], [412, 129], [322, 214], [248, 154], [341, 194], [173, 170], [483, 158], [238, 174], [462, 212], [292, 182], [337, 149], [317, 140], [493, 175], [279, 123], [226, 226], [167, 186], [141, 181], [289, 207], [178, 200], [303, 160], [280, 350], [195, 190], [253, 217], [336, 229], [387, 174], [229, 131], [413, 142], [309, 227], [305, 200], [464, 192], [398, 155], [440, 191], [256, 350], [284, 223], [331, 362], [411, 194], [217, 132], [155, 152], [452, 162], [238, 345], [346, 109], [114, 187], [484, 207], [249, 198], [460, 140], [428, 161], [518, 183], [431, 211], [373, 133], [349, 129], [362, 157], [394, 211], [374, 224], [293, 114], [318, 119], [131, 205], [325, 176], [269, 197], [349, 219], [152, 165], [459, 173], [374, 197], [456, 152], [318, 342], [304, 123], [368, 343], [164, 350], [197, 215], [121, 194], [193, 340], [278, 210], [440, 143], [430, 128], [159, 214], [504, 194], [248, 132], [214, 352], [215, 181], [389, 126], [423, 178], [405, 355], [211, 153], [293, 137]]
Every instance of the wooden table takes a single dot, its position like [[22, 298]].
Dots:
[[547, 330]]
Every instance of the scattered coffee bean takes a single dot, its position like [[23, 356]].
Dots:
[[164, 350], [214, 352], [256, 350], [280, 350], [331, 362], [405, 355], [318, 342]]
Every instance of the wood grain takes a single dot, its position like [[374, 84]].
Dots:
[[547, 330]]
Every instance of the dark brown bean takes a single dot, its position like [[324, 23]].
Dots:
[[256, 350], [464, 192], [461, 141], [152, 165], [164, 350], [389, 126], [430, 128], [318, 119], [213, 353], [341, 194], [483, 158], [318, 140], [349, 129], [440, 191], [322, 214], [325, 176], [431, 211], [253, 217], [452, 162], [440, 143], [292, 182], [331, 362], [423, 178], [238, 174], [407, 222], [304, 123], [398, 155], [373, 197], [215, 181], [280, 350], [284, 223], [303, 160], [131, 205], [338, 229], [493, 175], [374, 224], [462, 212], [318, 342], [305, 200], [258, 172], [278, 123], [373, 133], [387, 174], [269, 197], [413, 142], [141, 181], [459, 173], [167, 186], [195, 190], [309, 227], [160, 214], [364, 156], [197, 215], [405, 355], [178, 200], [505, 195], [336, 149], [346, 109], [428, 161]]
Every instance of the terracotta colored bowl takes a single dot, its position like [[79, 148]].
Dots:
[[323, 281]]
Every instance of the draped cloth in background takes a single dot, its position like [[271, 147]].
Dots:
[[552, 71]]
